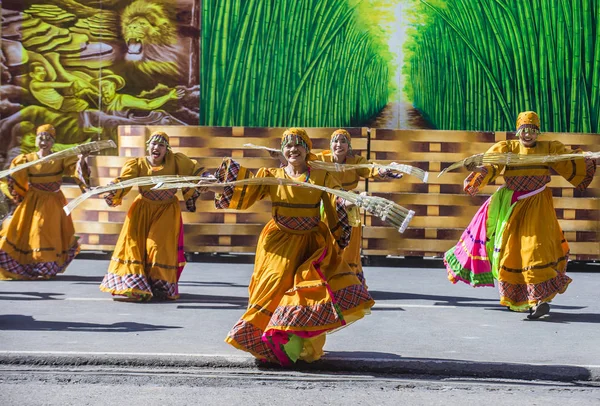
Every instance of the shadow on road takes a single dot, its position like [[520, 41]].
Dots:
[[439, 300], [30, 296], [19, 322], [558, 317], [370, 355], [388, 364], [78, 278], [213, 301], [215, 284]]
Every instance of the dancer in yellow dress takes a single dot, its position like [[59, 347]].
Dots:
[[148, 258], [39, 242], [341, 153], [515, 236], [301, 288]]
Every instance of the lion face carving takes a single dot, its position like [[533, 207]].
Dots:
[[151, 40]]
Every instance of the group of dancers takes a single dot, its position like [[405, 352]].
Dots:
[[307, 279]]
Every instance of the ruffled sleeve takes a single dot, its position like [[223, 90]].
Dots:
[[578, 172], [335, 213], [239, 197], [477, 181], [130, 170], [188, 167], [368, 173], [77, 169], [18, 182]]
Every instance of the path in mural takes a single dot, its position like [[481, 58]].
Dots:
[[400, 115]]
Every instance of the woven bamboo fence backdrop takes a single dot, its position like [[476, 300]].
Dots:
[[442, 209]]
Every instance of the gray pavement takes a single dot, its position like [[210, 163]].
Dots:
[[420, 325]]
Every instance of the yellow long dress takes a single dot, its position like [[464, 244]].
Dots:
[[515, 236], [148, 257], [300, 288], [349, 181], [39, 241]]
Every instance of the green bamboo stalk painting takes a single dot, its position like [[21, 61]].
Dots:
[[282, 63], [474, 64]]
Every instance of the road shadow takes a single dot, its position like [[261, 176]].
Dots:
[[459, 301], [563, 307], [81, 279], [212, 301], [19, 322], [387, 364], [371, 355], [212, 284], [567, 318], [30, 296]]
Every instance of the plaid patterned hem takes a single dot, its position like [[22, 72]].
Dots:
[[519, 294], [11, 269], [351, 297], [247, 337], [323, 314], [121, 285]]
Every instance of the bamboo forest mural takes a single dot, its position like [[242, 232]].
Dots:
[[88, 66], [474, 64]]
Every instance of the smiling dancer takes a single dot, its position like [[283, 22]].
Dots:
[[515, 236], [301, 288], [148, 258], [342, 153], [40, 240]]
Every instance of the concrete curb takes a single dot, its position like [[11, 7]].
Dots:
[[405, 366]]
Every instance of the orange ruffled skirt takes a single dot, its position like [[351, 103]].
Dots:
[[39, 241], [146, 261], [300, 290]]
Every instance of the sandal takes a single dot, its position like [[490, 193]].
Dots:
[[538, 311]]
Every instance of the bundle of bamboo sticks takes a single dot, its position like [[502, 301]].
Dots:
[[510, 159], [141, 181], [390, 212], [76, 150], [409, 170]]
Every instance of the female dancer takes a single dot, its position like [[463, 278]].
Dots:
[[148, 258], [341, 153], [40, 241], [515, 236], [301, 288]]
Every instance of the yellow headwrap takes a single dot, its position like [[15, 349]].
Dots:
[[528, 119], [48, 129], [159, 136], [341, 131], [304, 140]]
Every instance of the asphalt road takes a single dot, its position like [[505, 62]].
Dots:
[[421, 324]]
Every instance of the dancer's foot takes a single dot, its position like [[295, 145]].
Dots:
[[131, 297], [541, 309]]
